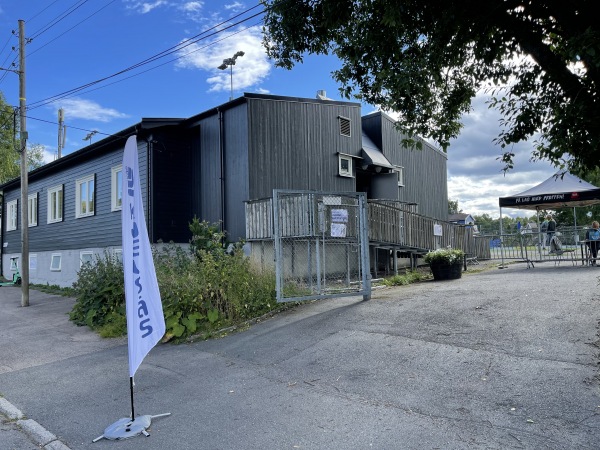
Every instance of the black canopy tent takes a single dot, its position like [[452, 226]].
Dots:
[[558, 191], [562, 190]]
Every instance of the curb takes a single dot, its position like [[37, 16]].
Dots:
[[34, 430]]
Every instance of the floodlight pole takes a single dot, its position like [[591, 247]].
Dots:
[[230, 62], [24, 181]]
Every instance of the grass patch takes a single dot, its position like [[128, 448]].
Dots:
[[54, 289], [409, 277]]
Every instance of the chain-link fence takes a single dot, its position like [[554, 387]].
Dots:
[[321, 245]]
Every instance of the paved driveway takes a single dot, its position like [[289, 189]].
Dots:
[[501, 359]]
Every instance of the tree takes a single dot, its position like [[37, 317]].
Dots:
[[453, 207], [539, 61], [10, 159], [8, 154]]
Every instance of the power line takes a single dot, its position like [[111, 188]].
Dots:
[[186, 43], [58, 19], [74, 26]]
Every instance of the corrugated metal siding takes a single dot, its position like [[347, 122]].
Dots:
[[425, 171], [207, 165], [235, 126], [294, 145], [101, 230], [171, 198]]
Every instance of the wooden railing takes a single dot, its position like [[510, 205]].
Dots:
[[390, 224]]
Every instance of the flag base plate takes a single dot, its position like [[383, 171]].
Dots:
[[126, 428]]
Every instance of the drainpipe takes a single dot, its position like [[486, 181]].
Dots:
[[222, 163], [150, 189]]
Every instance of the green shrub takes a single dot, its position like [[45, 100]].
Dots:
[[202, 290], [411, 276], [100, 293]]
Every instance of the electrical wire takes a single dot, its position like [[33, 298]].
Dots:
[[156, 57]]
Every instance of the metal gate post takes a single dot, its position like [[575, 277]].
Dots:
[[364, 247], [277, 253]]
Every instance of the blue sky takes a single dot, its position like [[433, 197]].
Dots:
[[78, 42]]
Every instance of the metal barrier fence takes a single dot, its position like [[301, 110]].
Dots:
[[531, 247], [321, 245]]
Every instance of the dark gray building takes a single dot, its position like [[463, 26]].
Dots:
[[207, 166]]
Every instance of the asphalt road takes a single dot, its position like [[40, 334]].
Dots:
[[502, 359]]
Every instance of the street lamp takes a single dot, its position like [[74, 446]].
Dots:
[[230, 62]]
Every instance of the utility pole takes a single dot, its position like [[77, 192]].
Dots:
[[62, 132], [24, 180]]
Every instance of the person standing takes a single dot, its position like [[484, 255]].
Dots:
[[544, 230], [592, 237], [551, 230]]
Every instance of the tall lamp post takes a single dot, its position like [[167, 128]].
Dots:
[[230, 62]]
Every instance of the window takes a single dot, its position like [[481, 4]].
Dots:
[[400, 171], [55, 262], [32, 210], [118, 254], [84, 197], [345, 165], [344, 126], [116, 194], [14, 264], [55, 204], [32, 262], [86, 257], [11, 215]]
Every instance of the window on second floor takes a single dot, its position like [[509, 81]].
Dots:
[[84, 197], [116, 191], [344, 165], [55, 204], [32, 210], [11, 215]]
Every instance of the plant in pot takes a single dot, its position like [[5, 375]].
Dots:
[[445, 263]]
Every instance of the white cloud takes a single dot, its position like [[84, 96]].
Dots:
[[145, 7], [235, 6], [475, 176], [249, 70], [78, 108]]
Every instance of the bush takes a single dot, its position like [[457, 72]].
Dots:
[[202, 290], [444, 256], [411, 276], [100, 295]]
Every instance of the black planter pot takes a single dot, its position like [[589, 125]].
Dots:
[[445, 271]]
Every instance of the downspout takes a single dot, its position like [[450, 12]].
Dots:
[[149, 189], [222, 163]]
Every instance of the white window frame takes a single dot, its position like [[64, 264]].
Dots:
[[116, 188], [118, 254], [14, 264], [343, 172], [85, 257], [56, 267], [89, 201], [32, 262], [55, 211], [32, 210], [12, 212], [400, 171]]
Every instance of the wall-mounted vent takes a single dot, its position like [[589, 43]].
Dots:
[[344, 126]]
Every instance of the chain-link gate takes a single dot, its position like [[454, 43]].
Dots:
[[321, 245]]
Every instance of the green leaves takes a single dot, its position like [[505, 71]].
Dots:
[[201, 291], [428, 60]]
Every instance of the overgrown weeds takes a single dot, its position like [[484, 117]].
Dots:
[[409, 277], [209, 287]]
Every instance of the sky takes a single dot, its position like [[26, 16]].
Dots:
[[110, 63]]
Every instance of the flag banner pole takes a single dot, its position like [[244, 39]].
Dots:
[[131, 393], [145, 319]]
